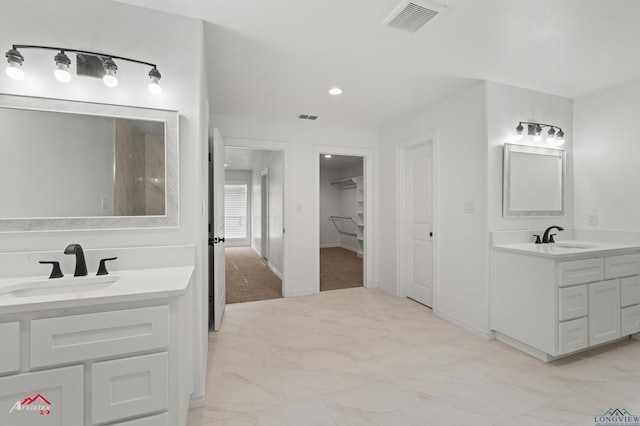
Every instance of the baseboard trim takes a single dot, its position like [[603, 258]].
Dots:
[[275, 271], [301, 293], [196, 402], [355, 250], [490, 335], [329, 245]]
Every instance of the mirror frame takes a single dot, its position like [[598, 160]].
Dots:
[[170, 219], [506, 185]]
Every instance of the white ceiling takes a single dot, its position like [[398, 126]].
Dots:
[[277, 58]]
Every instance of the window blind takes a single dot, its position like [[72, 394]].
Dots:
[[235, 210]]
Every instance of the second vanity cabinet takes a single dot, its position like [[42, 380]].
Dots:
[[551, 307]]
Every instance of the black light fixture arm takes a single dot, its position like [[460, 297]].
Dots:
[[553, 126], [86, 52]]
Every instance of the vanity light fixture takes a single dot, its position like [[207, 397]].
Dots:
[[554, 134], [62, 61]]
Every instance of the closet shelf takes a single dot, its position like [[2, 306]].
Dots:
[[345, 183]]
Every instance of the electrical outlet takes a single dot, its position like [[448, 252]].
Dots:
[[469, 206], [592, 219]]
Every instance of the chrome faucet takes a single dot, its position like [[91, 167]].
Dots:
[[81, 264], [549, 239]]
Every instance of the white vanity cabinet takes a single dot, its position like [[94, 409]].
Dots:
[[118, 364], [550, 307]]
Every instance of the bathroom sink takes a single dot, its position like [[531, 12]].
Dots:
[[574, 245], [47, 287]]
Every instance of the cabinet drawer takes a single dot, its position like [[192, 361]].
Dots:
[[580, 272], [61, 391], [9, 347], [129, 387], [630, 291], [630, 319], [572, 336], [159, 420], [103, 334], [622, 266], [572, 302]]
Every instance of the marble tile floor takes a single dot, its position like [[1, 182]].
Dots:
[[364, 357]]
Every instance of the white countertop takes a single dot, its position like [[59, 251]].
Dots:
[[559, 250], [131, 285]]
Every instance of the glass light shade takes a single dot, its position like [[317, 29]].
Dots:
[[537, 138], [110, 78], [560, 141], [551, 139], [14, 70], [518, 136], [62, 73], [154, 86]]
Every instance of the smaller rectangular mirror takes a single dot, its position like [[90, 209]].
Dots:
[[533, 181]]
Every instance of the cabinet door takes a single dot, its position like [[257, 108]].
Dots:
[[604, 311], [9, 347], [630, 318], [49, 397], [573, 335], [572, 302], [630, 291]]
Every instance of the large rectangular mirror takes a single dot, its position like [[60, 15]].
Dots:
[[534, 181], [78, 165]]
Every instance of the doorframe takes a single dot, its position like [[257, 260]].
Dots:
[[401, 210], [264, 212], [236, 142], [367, 172]]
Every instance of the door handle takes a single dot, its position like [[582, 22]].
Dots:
[[221, 239], [212, 241], [431, 234]]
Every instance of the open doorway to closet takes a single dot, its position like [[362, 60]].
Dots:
[[342, 206], [253, 224]]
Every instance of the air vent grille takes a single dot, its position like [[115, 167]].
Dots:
[[410, 16], [308, 117]]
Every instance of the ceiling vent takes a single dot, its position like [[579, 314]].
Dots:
[[411, 15], [308, 117]]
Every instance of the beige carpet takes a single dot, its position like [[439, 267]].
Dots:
[[339, 268], [248, 277]]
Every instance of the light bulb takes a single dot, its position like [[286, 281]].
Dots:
[[62, 62], [62, 73], [110, 78], [110, 69], [154, 85], [551, 139], [537, 138], [15, 71], [518, 136], [335, 91], [560, 141]]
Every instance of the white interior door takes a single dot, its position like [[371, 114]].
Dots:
[[219, 294], [419, 224]]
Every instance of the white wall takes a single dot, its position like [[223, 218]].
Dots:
[[241, 176], [461, 238], [300, 137], [61, 167], [607, 159], [506, 107], [137, 33], [329, 206]]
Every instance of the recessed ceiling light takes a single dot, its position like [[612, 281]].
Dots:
[[225, 164], [327, 156], [335, 91]]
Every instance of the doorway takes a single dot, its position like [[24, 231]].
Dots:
[[253, 221], [353, 223], [341, 212], [415, 189]]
